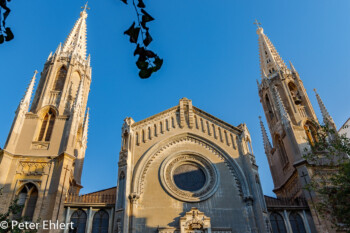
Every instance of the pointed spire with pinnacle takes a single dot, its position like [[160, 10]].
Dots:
[[282, 110], [59, 48], [267, 144], [270, 60], [327, 119], [292, 67], [75, 43], [25, 102]]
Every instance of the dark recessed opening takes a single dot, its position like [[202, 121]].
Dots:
[[189, 177]]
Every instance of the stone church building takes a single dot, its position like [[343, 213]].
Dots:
[[180, 171]]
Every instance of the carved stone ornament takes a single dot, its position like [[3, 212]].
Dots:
[[194, 221], [40, 145], [134, 197], [32, 168], [191, 159]]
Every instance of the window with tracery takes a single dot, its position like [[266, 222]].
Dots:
[[60, 79], [277, 223], [100, 222], [294, 93], [27, 198], [47, 126], [297, 224], [79, 221]]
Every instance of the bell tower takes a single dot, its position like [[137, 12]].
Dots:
[[292, 123], [43, 156], [289, 114]]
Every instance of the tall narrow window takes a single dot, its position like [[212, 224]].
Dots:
[[100, 222], [79, 222], [149, 133], [125, 141], [143, 136], [121, 187], [60, 79], [269, 107], [155, 130], [310, 133], [161, 130], [47, 126], [277, 223], [296, 223], [27, 198], [137, 139]]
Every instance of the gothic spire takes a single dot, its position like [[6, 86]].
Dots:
[[267, 144], [75, 43], [25, 102], [282, 110], [270, 60], [327, 119]]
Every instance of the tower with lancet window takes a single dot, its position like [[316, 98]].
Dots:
[[43, 156], [292, 123]]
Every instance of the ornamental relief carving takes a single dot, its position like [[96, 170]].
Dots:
[[32, 168]]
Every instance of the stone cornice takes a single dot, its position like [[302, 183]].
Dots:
[[155, 117], [217, 121]]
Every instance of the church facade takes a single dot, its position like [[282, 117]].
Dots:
[[180, 171]]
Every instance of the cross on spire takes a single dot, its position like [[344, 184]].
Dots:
[[257, 23], [85, 7]]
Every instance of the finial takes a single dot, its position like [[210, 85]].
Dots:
[[259, 29], [257, 23], [85, 7], [292, 67], [327, 119], [266, 141], [83, 13]]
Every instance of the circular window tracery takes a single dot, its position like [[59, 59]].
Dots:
[[189, 176]]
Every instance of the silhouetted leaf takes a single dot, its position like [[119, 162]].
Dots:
[[141, 4], [142, 65], [138, 50], [146, 17], [148, 39], [1, 39], [158, 63], [150, 54], [125, 1], [9, 34], [133, 33], [145, 73]]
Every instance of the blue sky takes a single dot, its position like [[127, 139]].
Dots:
[[210, 53]]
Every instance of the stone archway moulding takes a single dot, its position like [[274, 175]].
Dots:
[[147, 158]]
